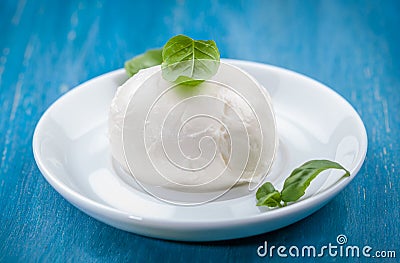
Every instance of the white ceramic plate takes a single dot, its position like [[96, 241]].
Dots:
[[71, 149]]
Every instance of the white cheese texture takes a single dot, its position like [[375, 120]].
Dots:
[[209, 137]]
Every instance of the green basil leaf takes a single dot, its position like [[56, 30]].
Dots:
[[188, 59], [186, 81], [152, 57], [301, 177], [268, 196], [271, 200], [265, 189]]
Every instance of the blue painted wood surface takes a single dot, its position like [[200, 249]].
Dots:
[[48, 47]]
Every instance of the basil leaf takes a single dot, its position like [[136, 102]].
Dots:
[[265, 189], [187, 59], [152, 57], [301, 177], [188, 81], [268, 196]]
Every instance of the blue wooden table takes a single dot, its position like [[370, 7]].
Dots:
[[49, 47]]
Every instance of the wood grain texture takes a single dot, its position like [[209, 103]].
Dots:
[[48, 47]]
